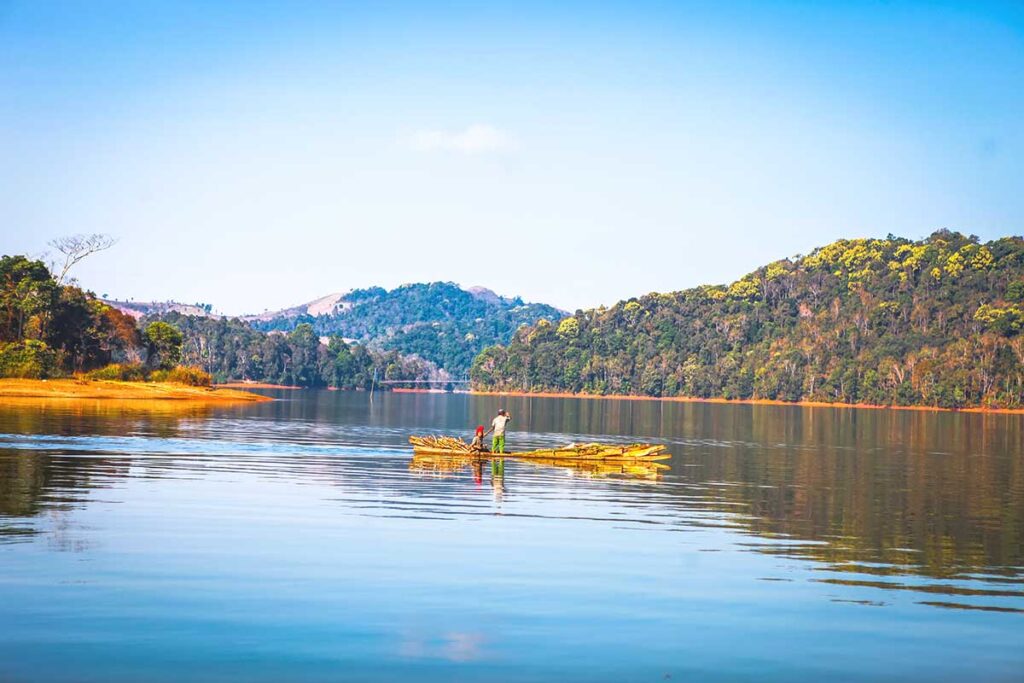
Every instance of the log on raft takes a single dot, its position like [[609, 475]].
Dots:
[[452, 446]]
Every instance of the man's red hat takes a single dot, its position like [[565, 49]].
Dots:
[[480, 429]]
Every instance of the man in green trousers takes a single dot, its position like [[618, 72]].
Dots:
[[498, 425]]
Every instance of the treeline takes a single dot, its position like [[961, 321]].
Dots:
[[230, 349], [936, 322], [49, 329], [439, 322]]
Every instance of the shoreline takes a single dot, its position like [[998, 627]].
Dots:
[[748, 401], [402, 390], [82, 389], [254, 385]]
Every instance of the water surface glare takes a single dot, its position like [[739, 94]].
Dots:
[[295, 541]]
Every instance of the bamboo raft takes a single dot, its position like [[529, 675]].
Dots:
[[587, 452]]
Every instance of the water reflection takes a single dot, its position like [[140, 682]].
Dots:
[[881, 502], [449, 466]]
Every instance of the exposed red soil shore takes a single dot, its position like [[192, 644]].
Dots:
[[111, 390], [747, 401]]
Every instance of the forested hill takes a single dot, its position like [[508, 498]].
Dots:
[[936, 322], [439, 322]]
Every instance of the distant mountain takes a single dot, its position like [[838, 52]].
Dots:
[[325, 305], [935, 322], [439, 321]]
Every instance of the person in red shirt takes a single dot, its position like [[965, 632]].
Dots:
[[477, 445]]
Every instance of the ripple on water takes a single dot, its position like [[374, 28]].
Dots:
[[267, 534]]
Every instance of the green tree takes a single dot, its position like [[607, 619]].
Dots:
[[70, 329], [27, 297], [163, 344]]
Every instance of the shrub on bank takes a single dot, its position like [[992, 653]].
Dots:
[[121, 372], [194, 377], [28, 359]]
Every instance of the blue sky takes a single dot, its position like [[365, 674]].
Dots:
[[257, 155]]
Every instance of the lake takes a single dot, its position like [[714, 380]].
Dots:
[[296, 541]]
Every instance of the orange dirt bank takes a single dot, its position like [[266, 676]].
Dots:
[[104, 389]]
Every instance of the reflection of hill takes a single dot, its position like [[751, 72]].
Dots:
[[920, 492], [937, 515], [872, 492], [33, 481]]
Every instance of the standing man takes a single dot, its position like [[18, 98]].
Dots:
[[498, 427]]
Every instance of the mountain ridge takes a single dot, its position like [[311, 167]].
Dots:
[[882, 321], [439, 322], [324, 305]]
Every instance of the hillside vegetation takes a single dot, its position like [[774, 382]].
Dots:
[[936, 322], [49, 330], [438, 322], [230, 349]]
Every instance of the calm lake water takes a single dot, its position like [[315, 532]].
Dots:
[[295, 541]]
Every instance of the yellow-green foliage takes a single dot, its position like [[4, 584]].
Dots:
[[861, 253], [955, 264], [181, 374], [541, 330], [775, 270], [889, 306], [983, 259], [28, 359], [856, 258], [827, 255], [713, 292], [164, 342], [978, 257], [850, 254], [744, 289], [121, 372], [912, 255], [908, 259], [1008, 320], [569, 328]]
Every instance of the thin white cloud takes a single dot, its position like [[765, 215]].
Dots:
[[475, 139]]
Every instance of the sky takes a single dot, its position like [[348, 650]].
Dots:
[[256, 155]]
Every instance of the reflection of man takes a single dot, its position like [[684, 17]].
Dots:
[[498, 425], [498, 478]]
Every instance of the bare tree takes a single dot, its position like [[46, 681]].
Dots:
[[77, 247]]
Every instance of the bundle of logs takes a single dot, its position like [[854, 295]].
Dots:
[[446, 443]]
